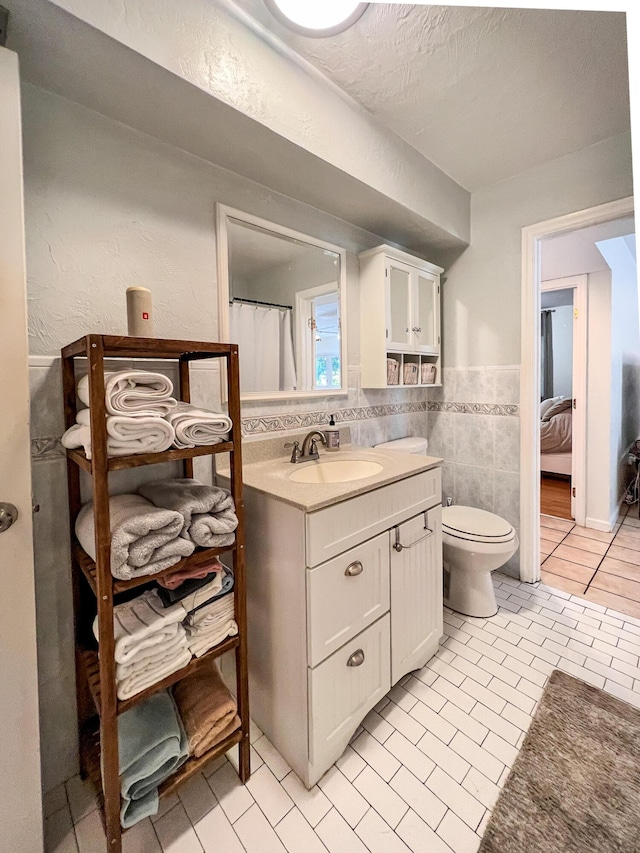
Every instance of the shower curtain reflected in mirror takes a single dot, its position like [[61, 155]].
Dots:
[[265, 347], [546, 354]]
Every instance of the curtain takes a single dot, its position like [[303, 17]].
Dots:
[[265, 347], [546, 331]]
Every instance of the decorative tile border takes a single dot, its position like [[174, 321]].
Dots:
[[504, 409], [303, 420], [49, 447]]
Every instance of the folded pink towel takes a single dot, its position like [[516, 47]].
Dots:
[[173, 581]]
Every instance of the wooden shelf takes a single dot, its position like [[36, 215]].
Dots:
[[91, 663], [90, 744], [198, 558], [119, 463], [96, 673]]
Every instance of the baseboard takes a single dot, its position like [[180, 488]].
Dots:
[[597, 524]]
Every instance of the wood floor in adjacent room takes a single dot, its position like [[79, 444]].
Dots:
[[555, 496]]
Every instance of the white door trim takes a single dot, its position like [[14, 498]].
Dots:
[[577, 283], [532, 236]]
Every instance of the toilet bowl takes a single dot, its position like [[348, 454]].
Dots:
[[474, 542]]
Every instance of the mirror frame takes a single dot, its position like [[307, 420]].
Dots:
[[223, 214]]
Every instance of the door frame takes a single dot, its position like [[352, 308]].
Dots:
[[532, 237], [577, 283]]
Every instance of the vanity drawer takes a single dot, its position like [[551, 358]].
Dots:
[[344, 688], [338, 527], [345, 595]]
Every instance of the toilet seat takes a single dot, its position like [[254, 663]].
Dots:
[[475, 525]]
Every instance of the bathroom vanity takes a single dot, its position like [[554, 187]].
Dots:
[[344, 592]]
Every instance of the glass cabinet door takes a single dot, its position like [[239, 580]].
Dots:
[[398, 300], [425, 313]]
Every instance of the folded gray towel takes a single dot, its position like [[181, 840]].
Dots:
[[144, 538], [208, 511]]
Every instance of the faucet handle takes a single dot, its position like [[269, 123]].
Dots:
[[295, 453]]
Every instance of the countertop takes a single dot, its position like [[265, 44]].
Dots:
[[271, 476]]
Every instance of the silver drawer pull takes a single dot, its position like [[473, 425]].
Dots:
[[398, 546], [356, 659], [354, 569]]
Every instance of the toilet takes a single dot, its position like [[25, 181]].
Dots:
[[475, 543]]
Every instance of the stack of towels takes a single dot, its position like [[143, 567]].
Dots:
[[156, 737], [152, 744], [144, 417], [156, 528], [150, 642]]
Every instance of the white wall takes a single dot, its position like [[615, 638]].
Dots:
[[624, 364], [563, 351]]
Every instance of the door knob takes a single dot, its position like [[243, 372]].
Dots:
[[8, 514]]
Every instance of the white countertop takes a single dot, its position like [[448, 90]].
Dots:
[[271, 476]]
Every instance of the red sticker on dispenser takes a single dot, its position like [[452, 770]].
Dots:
[[145, 316]]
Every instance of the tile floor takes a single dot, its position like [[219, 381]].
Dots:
[[424, 771], [603, 567]]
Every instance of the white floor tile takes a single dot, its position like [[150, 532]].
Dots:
[[59, 836], [166, 804], [456, 797], [377, 726], [256, 834], [269, 795], [141, 838], [432, 722], [503, 751], [403, 722], [428, 695], [444, 756], [90, 834], [337, 835], [176, 834], [272, 758], [349, 802], [381, 797], [313, 804], [232, 795], [378, 835], [483, 789], [471, 670], [410, 756], [477, 756], [419, 797], [418, 836], [376, 756], [82, 798], [197, 798], [54, 800], [216, 834], [402, 698], [297, 836], [454, 694], [457, 834], [350, 763], [630, 696], [495, 723], [513, 695], [482, 694]]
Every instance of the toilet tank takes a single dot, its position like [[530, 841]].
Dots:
[[410, 444]]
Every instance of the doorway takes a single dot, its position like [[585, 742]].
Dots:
[[532, 238]]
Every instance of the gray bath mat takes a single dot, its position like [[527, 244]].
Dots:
[[575, 786]]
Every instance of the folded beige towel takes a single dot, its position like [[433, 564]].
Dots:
[[207, 709]]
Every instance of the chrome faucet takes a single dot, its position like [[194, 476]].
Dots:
[[309, 447]]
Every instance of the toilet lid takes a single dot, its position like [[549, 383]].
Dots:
[[467, 522]]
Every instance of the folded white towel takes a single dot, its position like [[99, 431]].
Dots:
[[125, 435], [144, 538], [211, 614], [144, 677], [141, 623], [133, 392], [196, 427], [202, 641], [167, 643]]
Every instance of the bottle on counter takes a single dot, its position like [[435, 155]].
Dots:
[[332, 435]]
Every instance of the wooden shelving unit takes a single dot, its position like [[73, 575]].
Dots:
[[96, 590]]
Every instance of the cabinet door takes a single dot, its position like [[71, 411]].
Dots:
[[416, 592], [342, 689], [425, 318], [398, 307]]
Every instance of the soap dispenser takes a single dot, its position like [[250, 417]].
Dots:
[[332, 435]]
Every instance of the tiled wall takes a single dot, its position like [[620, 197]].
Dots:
[[373, 416], [474, 425]]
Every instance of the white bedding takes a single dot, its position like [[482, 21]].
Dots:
[[555, 434], [555, 463]]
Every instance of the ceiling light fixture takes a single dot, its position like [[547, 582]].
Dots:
[[317, 18]]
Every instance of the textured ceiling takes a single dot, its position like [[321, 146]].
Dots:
[[483, 93]]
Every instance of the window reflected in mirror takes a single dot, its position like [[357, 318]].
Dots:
[[285, 310]]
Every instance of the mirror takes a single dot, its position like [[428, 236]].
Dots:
[[282, 298]]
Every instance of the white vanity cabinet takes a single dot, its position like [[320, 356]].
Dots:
[[399, 318], [337, 612]]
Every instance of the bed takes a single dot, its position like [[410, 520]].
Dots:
[[555, 436]]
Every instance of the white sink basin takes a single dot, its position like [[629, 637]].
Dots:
[[336, 472]]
